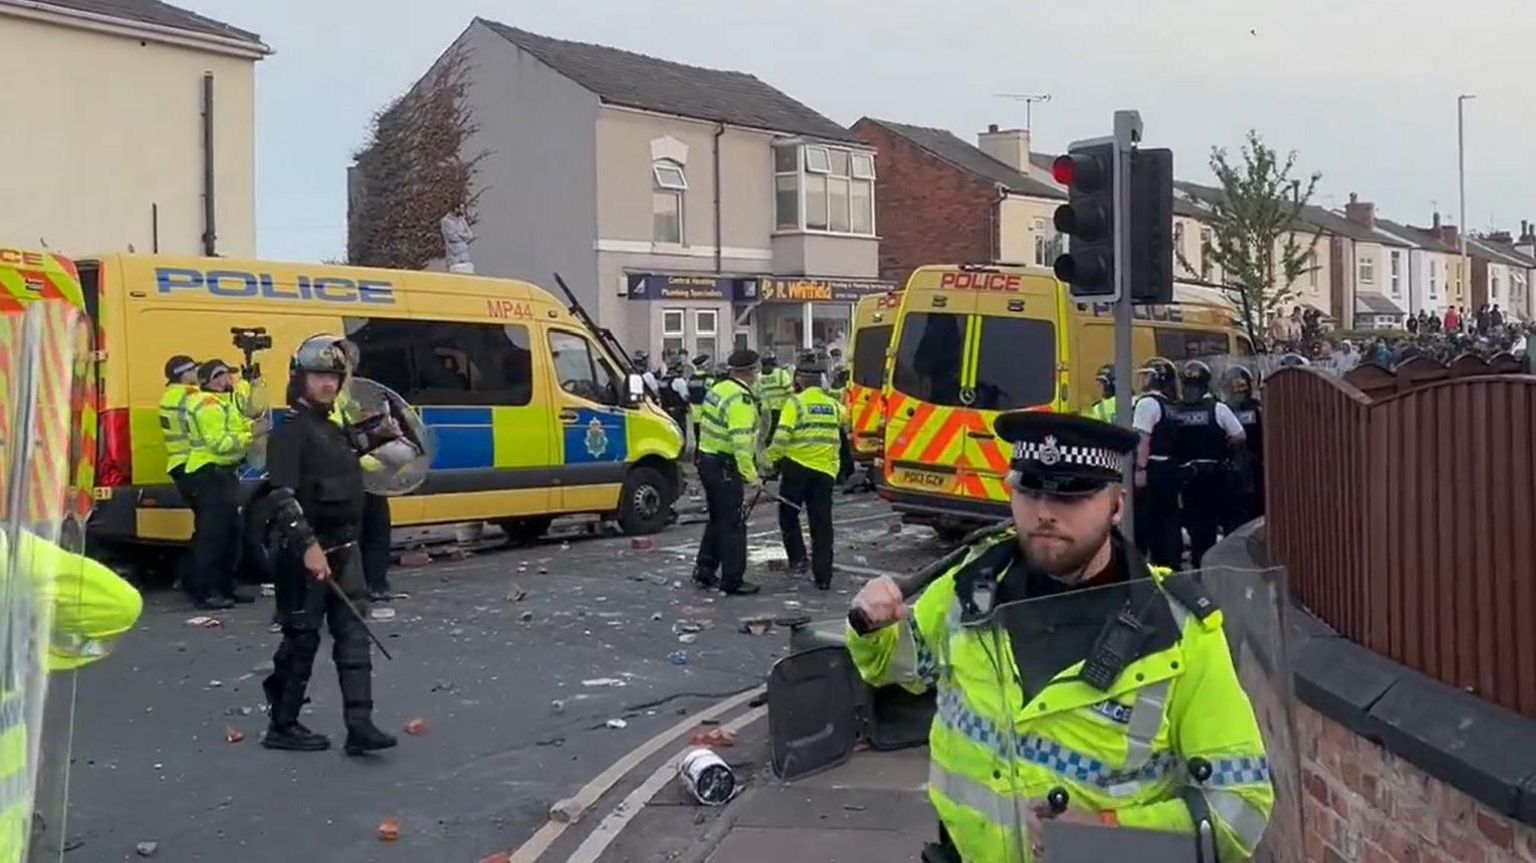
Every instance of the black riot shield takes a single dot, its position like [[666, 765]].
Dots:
[[1171, 742]]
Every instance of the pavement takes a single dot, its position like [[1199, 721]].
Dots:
[[534, 671]]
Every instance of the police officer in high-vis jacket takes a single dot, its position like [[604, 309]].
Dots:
[[773, 390], [175, 419], [727, 459], [806, 448], [220, 438], [1041, 686], [1103, 410]]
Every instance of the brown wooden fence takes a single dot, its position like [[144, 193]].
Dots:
[[1407, 518]]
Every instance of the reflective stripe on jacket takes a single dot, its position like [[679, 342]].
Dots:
[[1176, 704], [808, 432], [175, 423], [220, 434], [728, 426]]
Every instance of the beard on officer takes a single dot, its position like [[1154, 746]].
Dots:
[[1130, 681]]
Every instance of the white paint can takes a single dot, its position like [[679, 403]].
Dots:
[[706, 776]]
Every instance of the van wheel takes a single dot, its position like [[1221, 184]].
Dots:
[[524, 531], [644, 502]]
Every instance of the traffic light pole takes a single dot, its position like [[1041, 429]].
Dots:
[[1127, 134]]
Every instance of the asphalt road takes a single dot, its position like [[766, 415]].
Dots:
[[517, 695]]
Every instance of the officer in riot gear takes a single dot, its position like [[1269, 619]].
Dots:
[[698, 387], [674, 394], [1156, 497], [1248, 477], [1206, 434], [1103, 410], [312, 506]]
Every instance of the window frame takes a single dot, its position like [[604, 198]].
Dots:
[[661, 166], [417, 391], [1365, 270], [857, 172], [595, 359], [1395, 270], [676, 198], [1042, 243]]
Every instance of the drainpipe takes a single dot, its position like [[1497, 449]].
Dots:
[[719, 130], [210, 234]]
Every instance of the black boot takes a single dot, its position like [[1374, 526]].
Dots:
[[744, 588], [363, 736], [294, 737]]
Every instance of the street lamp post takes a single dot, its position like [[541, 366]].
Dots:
[[1461, 180]]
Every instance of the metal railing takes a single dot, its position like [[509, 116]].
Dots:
[[1407, 517]]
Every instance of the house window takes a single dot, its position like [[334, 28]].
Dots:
[[1493, 284], [1180, 259], [824, 188], [673, 339], [669, 185], [1207, 242], [1367, 270], [1042, 242], [706, 326], [1312, 274], [1397, 267], [1434, 279]]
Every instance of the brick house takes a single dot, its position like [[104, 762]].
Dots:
[[939, 199]]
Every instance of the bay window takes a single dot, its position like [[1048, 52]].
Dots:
[[820, 187]]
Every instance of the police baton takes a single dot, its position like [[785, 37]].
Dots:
[[746, 511], [911, 583], [347, 601]]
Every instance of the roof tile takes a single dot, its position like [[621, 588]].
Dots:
[[157, 13], [967, 157]]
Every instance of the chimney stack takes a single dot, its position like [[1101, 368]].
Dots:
[[1360, 212], [1527, 242], [1009, 146], [1437, 222]]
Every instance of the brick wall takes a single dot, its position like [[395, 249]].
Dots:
[[927, 210], [1363, 804]]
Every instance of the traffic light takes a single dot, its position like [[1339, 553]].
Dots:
[[1151, 226], [1088, 219]]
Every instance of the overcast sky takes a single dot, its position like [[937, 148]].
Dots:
[[1364, 90]]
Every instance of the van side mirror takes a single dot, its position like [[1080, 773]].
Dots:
[[634, 389]]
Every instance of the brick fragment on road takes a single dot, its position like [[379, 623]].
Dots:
[[415, 558], [389, 830], [416, 727], [146, 849], [642, 543], [756, 625], [233, 734]]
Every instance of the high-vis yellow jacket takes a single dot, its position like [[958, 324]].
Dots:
[[808, 431], [220, 435], [774, 388], [92, 606], [175, 423], [1102, 410], [1124, 750], [728, 426]]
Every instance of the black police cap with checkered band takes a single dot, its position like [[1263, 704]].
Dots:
[[1064, 455]]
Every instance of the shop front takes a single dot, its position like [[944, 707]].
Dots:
[[792, 314], [682, 315]]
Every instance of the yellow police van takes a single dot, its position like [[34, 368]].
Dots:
[[873, 320], [531, 406], [973, 341]]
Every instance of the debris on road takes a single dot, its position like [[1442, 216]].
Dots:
[[791, 603], [444, 686], [678, 657], [687, 638], [203, 621], [893, 527], [416, 727], [557, 706], [708, 778], [269, 590], [233, 734], [616, 723], [146, 849], [525, 616], [757, 625], [389, 830], [642, 543], [656, 616], [604, 681], [415, 559], [516, 594], [215, 684], [565, 546], [715, 737], [498, 857], [381, 614]]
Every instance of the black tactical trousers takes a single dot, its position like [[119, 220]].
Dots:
[[1157, 516], [303, 604], [1204, 500], [216, 531], [724, 546], [812, 491], [377, 526]]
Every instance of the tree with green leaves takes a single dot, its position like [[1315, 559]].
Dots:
[[1254, 229]]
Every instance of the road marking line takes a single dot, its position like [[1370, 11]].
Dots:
[[573, 807], [609, 828]]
